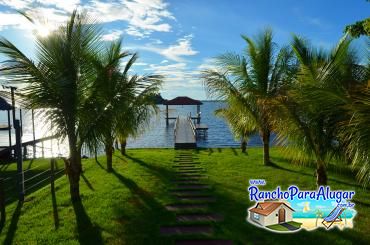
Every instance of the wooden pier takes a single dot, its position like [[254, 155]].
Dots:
[[185, 133]]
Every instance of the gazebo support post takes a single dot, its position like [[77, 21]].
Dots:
[[9, 130], [21, 121], [12, 89], [198, 114], [33, 133], [167, 115]]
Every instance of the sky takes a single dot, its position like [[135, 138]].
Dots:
[[179, 38]]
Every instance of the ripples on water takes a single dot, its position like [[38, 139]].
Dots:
[[158, 135]]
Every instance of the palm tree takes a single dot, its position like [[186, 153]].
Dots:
[[122, 97], [355, 132], [308, 115], [59, 81], [138, 114], [240, 124], [252, 81]]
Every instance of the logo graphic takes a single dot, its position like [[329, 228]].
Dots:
[[292, 209]]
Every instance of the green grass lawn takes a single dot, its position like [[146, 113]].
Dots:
[[127, 206]]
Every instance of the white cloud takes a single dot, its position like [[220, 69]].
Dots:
[[113, 35], [133, 31], [156, 41], [67, 5], [142, 16], [13, 20], [140, 64], [17, 4], [164, 61], [175, 52], [177, 75], [181, 48], [311, 20], [208, 63]]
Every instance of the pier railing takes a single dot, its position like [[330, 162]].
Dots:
[[175, 126], [193, 128]]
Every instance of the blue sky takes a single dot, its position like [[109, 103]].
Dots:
[[179, 38]]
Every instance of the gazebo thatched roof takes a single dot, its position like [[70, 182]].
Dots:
[[4, 105], [183, 100]]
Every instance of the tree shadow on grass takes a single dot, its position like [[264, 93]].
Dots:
[[149, 215], [99, 164], [87, 182], [162, 173], [13, 224], [234, 151], [274, 165], [210, 150], [55, 206], [30, 164], [88, 233]]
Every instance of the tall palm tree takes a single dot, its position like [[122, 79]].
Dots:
[[138, 112], [121, 96], [308, 115], [239, 122], [252, 81], [59, 81]]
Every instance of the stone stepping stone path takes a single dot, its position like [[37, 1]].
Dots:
[[186, 230], [191, 175], [188, 193], [192, 187], [192, 195], [204, 242], [206, 198], [186, 181], [186, 206], [198, 217]]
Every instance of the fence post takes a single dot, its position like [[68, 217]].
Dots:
[[42, 149], [18, 151], [25, 153], [52, 168], [2, 203]]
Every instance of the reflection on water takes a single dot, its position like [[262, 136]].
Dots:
[[158, 135]]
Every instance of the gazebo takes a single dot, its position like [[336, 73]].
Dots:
[[183, 100], [5, 106]]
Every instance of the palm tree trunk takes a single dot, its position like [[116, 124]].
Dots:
[[123, 147], [109, 155], [321, 177], [243, 145], [266, 147], [74, 169]]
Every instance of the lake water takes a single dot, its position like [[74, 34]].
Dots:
[[158, 135]]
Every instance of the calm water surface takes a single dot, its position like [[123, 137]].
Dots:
[[158, 135]]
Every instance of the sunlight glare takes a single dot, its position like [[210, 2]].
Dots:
[[42, 30]]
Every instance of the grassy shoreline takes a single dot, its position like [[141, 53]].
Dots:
[[127, 206]]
